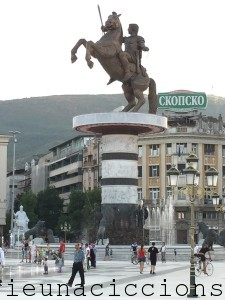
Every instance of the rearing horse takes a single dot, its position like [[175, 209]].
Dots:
[[106, 51]]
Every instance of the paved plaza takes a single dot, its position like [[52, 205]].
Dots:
[[120, 280]]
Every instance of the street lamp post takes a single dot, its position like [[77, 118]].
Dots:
[[13, 182], [66, 228], [191, 189]]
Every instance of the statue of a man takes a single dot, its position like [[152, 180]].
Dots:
[[134, 45], [21, 219]]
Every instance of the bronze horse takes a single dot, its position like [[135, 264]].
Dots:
[[106, 52]]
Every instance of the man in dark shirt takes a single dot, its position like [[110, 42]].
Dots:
[[77, 266], [133, 249], [153, 254], [201, 254]]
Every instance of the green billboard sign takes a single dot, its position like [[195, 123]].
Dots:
[[182, 101]]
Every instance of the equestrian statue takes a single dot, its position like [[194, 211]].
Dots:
[[124, 66]]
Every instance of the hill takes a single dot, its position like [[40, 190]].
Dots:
[[44, 122]]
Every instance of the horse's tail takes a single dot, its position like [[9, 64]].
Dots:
[[152, 97]]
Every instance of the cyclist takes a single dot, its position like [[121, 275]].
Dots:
[[201, 254], [133, 249]]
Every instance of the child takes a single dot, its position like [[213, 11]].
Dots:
[[45, 266], [60, 263], [175, 254]]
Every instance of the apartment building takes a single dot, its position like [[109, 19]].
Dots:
[[188, 132], [65, 166]]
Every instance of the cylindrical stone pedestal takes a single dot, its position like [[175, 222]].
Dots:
[[119, 164], [119, 179]]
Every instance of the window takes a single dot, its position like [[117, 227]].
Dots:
[[169, 148], [154, 171], [209, 149], [211, 215], [223, 171], [181, 167], [194, 148], [181, 148], [154, 193], [181, 195], [169, 192], [181, 129], [180, 215], [154, 149], [168, 167], [139, 194], [223, 150], [139, 171], [139, 151]]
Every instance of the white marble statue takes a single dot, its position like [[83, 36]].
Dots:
[[21, 219]]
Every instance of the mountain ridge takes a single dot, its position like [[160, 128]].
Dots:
[[45, 122]]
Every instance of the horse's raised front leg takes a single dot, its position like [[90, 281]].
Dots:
[[75, 48]]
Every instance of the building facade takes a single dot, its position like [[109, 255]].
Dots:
[[92, 154], [65, 167], [187, 133]]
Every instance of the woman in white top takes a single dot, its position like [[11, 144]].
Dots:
[[2, 257]]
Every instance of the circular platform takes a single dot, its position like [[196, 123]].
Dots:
[[119, 123]]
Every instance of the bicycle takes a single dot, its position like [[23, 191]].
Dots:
[[134, 259], [147, 261], [198, 267]]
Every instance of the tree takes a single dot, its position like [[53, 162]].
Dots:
[[92, 198], [7, 227], [49, 207], [75, 211]]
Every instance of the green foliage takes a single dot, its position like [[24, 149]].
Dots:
[[75, 210], [92, 197], [49, 207], [81, 210], [8, 225]]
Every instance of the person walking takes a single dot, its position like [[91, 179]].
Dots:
[[133, 249], [93, 251], [163, 252], [153, 255], [77, 265], [60, 263], [45, 266], [141, 256], [33, 250], [2, 257], [107, 252], [62, 249], [175, 254], [87, 256]]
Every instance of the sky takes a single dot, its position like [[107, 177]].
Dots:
[[185, 38]]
